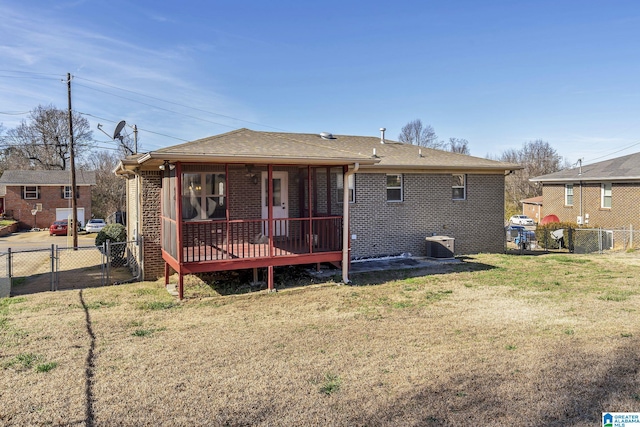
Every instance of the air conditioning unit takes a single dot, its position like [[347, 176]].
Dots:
[[579, 220]]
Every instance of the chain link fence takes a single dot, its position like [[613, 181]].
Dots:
[[57, 268], [575, 240]]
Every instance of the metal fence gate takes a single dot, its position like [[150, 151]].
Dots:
[[57, 268]]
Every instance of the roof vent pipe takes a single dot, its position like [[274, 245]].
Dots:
[[382, 135]]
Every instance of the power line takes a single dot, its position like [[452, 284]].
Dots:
[[159, 108], [175, 103], [17, 113], [614, 152], [139, 128]]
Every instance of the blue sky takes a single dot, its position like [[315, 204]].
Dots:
[[497, 73]]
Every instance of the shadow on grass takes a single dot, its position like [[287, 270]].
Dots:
[[242, 281], [369, 278], [536, 252], [78, 278], [568, 393]]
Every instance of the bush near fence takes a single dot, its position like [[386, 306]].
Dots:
[[545, 241]]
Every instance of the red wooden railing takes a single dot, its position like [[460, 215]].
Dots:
[[241, 239]]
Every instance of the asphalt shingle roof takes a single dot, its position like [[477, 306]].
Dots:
[[245, 144], [44, 177], [625, 168]]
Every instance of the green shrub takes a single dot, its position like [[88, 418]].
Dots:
[[115, 233], [543, 235]]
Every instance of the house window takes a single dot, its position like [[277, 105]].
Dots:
[[459, 186], [31, 192], [352, 187], [394, 188], [568, 195], [606, 196], [66, 192], [203, 196]]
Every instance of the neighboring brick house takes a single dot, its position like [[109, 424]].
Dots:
[[603, 194], [532, 207], [48, 192], [205, 205]]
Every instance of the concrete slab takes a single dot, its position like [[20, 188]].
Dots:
[[387, 264]]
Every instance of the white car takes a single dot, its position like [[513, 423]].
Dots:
[[521, 220], [94, 225]]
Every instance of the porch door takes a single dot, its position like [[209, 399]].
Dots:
[[280, 187]]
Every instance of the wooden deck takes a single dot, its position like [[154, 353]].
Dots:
[[232, 245]]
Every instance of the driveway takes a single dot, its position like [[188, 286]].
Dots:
[[26, 240]]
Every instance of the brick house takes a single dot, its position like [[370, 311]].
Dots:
[[603, 194], [532, 207], [207, 205], [48, 192]]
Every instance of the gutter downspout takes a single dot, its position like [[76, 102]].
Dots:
[[345, 222]]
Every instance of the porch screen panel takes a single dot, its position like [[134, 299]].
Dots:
[[203, 196], [169, 237]]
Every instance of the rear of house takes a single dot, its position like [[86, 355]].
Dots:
[[250, 199]]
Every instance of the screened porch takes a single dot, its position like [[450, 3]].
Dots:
[[227, 216]]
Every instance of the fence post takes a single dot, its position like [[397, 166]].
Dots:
[[9, 278], [53, 268], [599, 240], [9, 263], [57, 275], [630, 236], [108, 242], [103, 262]]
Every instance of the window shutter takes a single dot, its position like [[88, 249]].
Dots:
[[37, 192], [62, 192], [24, 190], [77, 192]]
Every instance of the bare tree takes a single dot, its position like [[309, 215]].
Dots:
[[108, 195], [459, 145], [538, 158], [42, 141], [416, 133]]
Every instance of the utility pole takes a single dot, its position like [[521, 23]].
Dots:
[[135, 138], [72, 164]]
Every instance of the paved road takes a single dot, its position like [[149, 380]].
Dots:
[[27, 240]]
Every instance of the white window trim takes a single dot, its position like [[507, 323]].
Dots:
[[401, 188], [602, 195], [566, 194], [352, 187], [36, 191], [67, 192], [463, 186]]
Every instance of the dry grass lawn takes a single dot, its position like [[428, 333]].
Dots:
[[549, 340]]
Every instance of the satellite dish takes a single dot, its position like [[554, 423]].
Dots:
[[119, 127]]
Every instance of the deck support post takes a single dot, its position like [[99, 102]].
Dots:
[[166, 274], [255, 275], [180, 286], [270, 278]]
